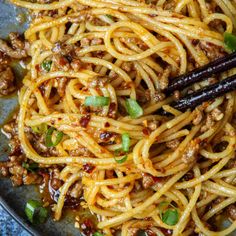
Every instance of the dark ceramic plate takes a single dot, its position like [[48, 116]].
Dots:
[[13, 199]]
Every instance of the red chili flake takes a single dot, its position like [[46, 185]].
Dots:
[[84, 120], [88, 168], [195, 42], [166, 232], [107, 124], [157, 179], [88, 227], [146, 131], [37, 67], [63, 61], [71, 202]]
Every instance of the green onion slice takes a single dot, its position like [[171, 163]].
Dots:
[[230, 42], [122, 160], [110, 16], [96, 101], [49, 133], [35, 213], [133, 108], [125, 142], [170, 217], [32, 167], [97, 234], [163, 206], [40, 129], [142, 233], [46, 65]]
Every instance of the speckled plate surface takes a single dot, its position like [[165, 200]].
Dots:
[[13, 199]]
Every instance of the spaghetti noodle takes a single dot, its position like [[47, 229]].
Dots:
[[124, 52]]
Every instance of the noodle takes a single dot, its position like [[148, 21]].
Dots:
[[130, 49]]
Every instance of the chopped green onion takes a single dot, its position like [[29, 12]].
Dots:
[[133, 108], [125, 142], [230, 42], [170, 217], [49, 133], [163, 206], [110, 16], [117, 152], [30, 166], [46, 65], [97, 234], [35, 212], [96, 101], [142, 233], [40, 129], [122, 160]]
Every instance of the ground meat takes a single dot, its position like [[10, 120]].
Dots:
[[99, 82], [61, 62], [209, 123], [158, 96], [232, 163], [169, 5], [152, 125], [173, 144], [143, 97], [63, 48], [216, 114], [13, 167], [62, 82], [147, 180], [18, 49], [212, 51], [191, 153], [55, 183], [176, 95], [4, 60], [76, 190], [17, 173], [16, 42], [198, 117], [96, 41], [231, 211], [163, 81], [76, 64], [112, 110], [133, 231], [113, 75], [7, 81], [84, 42], [127, 66]]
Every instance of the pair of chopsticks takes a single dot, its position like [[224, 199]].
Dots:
[[207, 93]]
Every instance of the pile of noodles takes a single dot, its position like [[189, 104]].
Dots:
[[157, 40]]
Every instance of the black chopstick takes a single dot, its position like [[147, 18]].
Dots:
[[210, 92], [218, 66]]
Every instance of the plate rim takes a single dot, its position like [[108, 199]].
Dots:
[[17, 218]]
